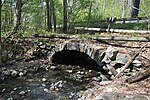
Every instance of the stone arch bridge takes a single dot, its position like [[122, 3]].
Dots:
[[100, 53], [92, 48]]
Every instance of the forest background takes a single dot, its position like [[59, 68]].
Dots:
[[39, 16]]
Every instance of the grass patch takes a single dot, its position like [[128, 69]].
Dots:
[[131, 26]]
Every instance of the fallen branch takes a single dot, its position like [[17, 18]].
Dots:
[[129, 62], [139, 76], [145, 57]]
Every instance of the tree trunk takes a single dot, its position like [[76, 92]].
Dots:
[[90, 11], [54, 14], [5, 16], [134, 8], [49, 23], [123, 8], [6, 20], [11, 14], [0, 37], [104, 7], [17, 21], [65, 16]]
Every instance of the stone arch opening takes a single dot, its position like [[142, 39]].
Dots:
[[73, 57]]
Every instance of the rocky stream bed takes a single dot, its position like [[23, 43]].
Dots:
[[26, 76], [38, 81]]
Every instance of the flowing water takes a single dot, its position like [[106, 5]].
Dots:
[[65, 83]]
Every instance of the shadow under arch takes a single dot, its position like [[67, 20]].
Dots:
[[73, 57]]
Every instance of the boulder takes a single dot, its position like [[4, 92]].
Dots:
[[121, 58], [111, 52]]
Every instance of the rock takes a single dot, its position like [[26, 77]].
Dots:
[[60, 85], [21, 74], [4, 69], [57, 85], [98, 79], [103, 78], [44, 79], [2, 79], [10, 99], [80, 72], [40, 44], [46, 90], [72, 46], [22, 93], [78, 76], [79, 94], [35, 69], [87, 94], [126, 71], [105, 82], [6, 72], [111, 52], [52, 88], [137, 63], [9, 62], [110, 96], [119, 96], [43, 85], [47, 67], [141, 97], [3, 90], [12, 92], [20, 69], [69, 71], [43, 46], [71, 95], [53, 67], [25, 72], [90, 71], [57, 89], [15, 89], [14, 73], [121, 58], [28, 90], [106, 59]]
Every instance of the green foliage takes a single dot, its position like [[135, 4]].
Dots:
[[34, 18], [131, 26]]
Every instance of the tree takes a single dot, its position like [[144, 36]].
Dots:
[[49, 16], [90, 11], [53, 13], [17, 20], [65, 17], [0, 36], [123, 8], [134, 8]]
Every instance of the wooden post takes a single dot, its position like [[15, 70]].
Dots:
[[110, 22]]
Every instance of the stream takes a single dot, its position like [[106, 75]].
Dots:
[[59, 82]]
